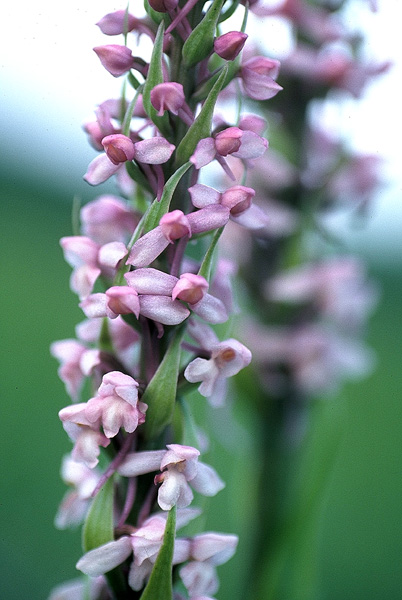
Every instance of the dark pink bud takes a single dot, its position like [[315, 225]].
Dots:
[[167, 96], [228, 141], [237, 199], [117, 22], [190, 288], [116, 59], [118, 148], [230, 44], [163, 5]]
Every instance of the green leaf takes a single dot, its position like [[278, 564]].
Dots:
[[201, 128], [204, 89], [160, 393], [158, 209], [229, 12], [205, 268], [159, 586], [137, 175], [98, 526], [154, 77], [200, 42]]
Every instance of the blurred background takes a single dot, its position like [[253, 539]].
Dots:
[[49, 83]]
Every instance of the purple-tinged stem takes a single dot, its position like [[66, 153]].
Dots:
[[130, 497], [115, 462]]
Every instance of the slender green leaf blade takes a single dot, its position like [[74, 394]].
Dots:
[[154, 77], [160, 393], [205, 268], [200, 42], [158, 209], [159, 586], [201, 128], [98, 526]]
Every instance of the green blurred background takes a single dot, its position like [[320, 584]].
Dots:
[[360, 544]]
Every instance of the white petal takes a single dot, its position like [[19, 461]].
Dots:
[[139, 463], [106, 557], [207, 481]]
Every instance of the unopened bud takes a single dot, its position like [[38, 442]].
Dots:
[[230, 44], [116, 59], [119, 148], [163, 5]]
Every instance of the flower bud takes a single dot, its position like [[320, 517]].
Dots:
[[163, 5], [175, 225], [118, 148], [237, 199], [228, 141], [230, 44], [117, 22], [167, 96], [116, 59], [190, 288]]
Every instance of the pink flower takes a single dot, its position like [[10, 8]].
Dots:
[[116, 59], [116, 404], [108, 219], [84, 433], [153, 151], [119, 148], [77, 361], [179, 466], [258, 76], [238, 199], [173, 226], [76, 501], [190, 288], [246, 145], [167, 96], [227, 359], [145, 543], [89, 260]]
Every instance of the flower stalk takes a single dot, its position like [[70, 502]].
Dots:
[[152, 269]]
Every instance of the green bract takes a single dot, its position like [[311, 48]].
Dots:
[[201, 128], [200, 42], [160, 394], [159, 586]]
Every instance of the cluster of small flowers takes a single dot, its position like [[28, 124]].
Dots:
[[305, 335], [143, 278]]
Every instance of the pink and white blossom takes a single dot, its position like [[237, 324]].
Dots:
[[227, 359]]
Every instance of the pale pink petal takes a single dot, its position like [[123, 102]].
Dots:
[[204, 153], [151, 281], [105, 558], [100, 169], [207, 481], [139, 463], [154, 151], [163, 309], [252, 146], [210, 309], [94, 306], [208, 218], [252, 218], [147, 248], [217, 548], [203, 195], [111, 254], [174, 491]]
